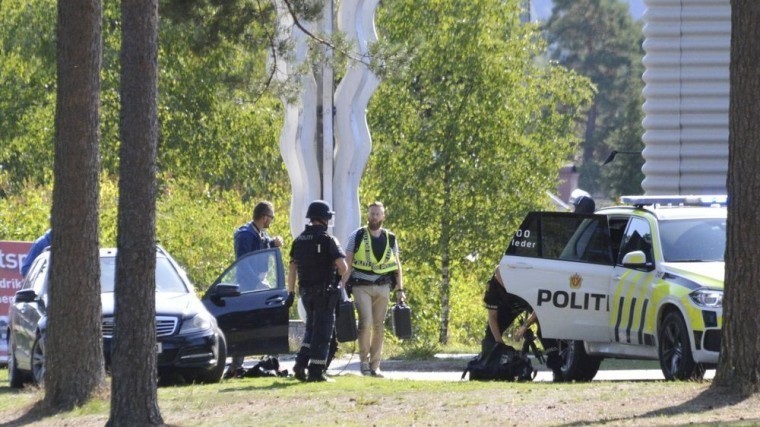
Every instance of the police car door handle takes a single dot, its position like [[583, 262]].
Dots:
[[521, 265]]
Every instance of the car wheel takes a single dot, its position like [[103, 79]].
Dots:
[[38, 361], [215, 375], [15, 376], [577, 365], [674, 349]]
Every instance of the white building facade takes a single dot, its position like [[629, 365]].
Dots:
[[686, 94]]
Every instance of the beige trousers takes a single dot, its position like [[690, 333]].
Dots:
[[372, 304]]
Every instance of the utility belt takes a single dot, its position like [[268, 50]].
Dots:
[[382, 281], [317, 287]]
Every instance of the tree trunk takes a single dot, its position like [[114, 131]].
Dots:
[[588, 138], [74, 311], [739, 366], [445, 259], [134, 399]]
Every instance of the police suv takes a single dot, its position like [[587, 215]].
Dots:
[[643, 281]]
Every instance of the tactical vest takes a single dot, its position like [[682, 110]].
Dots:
[[311, 251], [364, 258]]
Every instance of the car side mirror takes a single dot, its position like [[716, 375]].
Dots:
[[636, 259], [226, 290], [25, 295]]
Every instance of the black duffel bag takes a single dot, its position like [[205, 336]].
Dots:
[[502, 363]]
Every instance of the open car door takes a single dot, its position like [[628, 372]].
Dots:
[[561, 264], [247, 301]]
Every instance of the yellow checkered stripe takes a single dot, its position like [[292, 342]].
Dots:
[[632, 309], [637, 296]]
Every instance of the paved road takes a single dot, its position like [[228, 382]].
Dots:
[[450, 368]]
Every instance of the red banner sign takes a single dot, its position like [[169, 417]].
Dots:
[[12, 254]]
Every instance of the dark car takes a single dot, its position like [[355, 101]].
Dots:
[[190, 341]]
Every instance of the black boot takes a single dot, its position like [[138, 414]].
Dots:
[[317, 374], [302, 361], [554, 362], [299, 372]]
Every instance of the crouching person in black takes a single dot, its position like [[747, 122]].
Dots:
[[314, 259], [503, 308]]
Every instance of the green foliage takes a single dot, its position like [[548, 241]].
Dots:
[[24, 216], [195, 224], [420, 348], [598, 39], [211, 128], [27, 91], [466, 141]]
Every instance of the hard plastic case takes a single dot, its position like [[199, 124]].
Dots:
[[345, 322], [401, 315]]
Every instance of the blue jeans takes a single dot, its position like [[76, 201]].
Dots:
[[320, 307]]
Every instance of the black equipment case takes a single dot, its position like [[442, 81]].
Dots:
[[345, 322], [401, 315]]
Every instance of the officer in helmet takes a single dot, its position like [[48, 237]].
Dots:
[[314, 259], [582, 202]]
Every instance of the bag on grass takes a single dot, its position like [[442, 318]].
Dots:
[[268, 366], [502, 363]]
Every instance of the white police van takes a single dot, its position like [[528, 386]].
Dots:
[[643, 281]]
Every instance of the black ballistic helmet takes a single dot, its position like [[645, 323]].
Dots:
[[319, 209], [584, 205]]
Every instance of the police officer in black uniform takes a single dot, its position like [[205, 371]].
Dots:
[[314, 259], [503, 308]]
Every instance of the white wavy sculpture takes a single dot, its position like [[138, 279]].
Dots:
[[352, 138], [297, 141]]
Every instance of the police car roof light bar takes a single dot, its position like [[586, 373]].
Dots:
[[690, 200]]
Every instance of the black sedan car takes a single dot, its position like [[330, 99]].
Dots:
[[245, 316]]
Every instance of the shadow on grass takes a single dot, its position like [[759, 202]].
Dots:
[[37, 412], [709, 400], [273, 386]]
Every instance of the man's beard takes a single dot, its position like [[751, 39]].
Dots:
[[374, 226]]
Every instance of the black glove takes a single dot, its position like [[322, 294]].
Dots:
[[289, 300]]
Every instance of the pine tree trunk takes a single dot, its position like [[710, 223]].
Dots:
[[74, 310], [739, 366], [134, 399]]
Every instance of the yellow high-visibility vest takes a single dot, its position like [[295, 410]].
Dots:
[[364, 258]]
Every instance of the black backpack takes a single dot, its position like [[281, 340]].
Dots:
[[502, 363]]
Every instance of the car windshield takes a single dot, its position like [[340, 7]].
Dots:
[[167, 278], [693, 240]]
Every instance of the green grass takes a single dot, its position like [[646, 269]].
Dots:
[[360, 401]]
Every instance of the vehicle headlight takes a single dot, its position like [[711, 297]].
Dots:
[[198, 323], [707, 298]]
